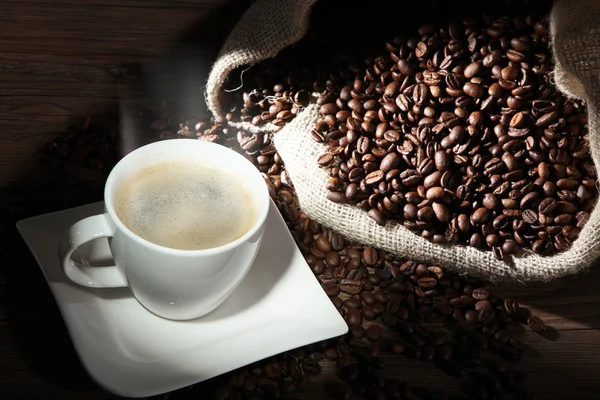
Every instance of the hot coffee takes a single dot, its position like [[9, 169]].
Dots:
[[186, 206]]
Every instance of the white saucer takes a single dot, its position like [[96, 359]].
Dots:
[[127, 350]]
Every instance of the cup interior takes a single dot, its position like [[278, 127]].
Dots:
[[195, 152]]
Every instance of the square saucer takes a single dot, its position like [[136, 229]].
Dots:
[[131, 352]]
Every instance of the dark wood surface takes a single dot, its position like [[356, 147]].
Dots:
[[58, 62], [59, 58]]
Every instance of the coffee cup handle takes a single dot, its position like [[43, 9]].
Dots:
[[79, 233]]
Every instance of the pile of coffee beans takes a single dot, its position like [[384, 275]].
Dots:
[[392, 306], [398, 306], [459, 133]]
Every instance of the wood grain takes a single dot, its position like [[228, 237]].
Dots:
[[58, 58], [566, 362], [58, 62]]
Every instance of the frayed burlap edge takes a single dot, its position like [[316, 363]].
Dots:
[[265, 29], [299, 152]]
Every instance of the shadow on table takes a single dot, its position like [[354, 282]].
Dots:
[[571, 302]]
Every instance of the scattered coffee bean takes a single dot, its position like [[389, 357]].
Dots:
[[480, 294], [470, 148], [536, 324], [511, 306]]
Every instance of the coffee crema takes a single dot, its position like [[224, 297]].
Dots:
[[186, 206]]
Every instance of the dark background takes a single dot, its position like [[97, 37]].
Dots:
[[60, 61]]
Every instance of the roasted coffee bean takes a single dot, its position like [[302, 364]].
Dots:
[[505, 128], [511, 306], [311, 367], [485, 310], [480, 216], [374, 333], [536, 324], [325, 159], [337, 242], [376, 216], [462, 301], [331, 288], [336, 197], [350, 286], [332, 259], [352, 302], [473, 89], [442, 160], [368, 298], [478, 151], [582, 219], [329, 109], [530, 216], [390, 162], [563, 219], [331, 354], [547, 205], [357, 331], [510, 246], [480, 294], [368, 313], [490, 201], [323, 244], [370, 256], [427, 282], [441, 212], [435, 193], [353, 317]]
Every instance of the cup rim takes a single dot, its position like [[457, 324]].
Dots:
[[260, 219]]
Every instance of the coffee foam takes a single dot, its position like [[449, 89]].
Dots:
[[186, 206]]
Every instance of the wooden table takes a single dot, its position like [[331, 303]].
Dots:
[[58, 62]]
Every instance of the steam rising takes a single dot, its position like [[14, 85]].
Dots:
[[177, 81]]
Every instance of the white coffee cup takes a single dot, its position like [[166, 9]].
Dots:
[[171, 283]]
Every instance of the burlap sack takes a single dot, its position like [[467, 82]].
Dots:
[[271, 25]]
